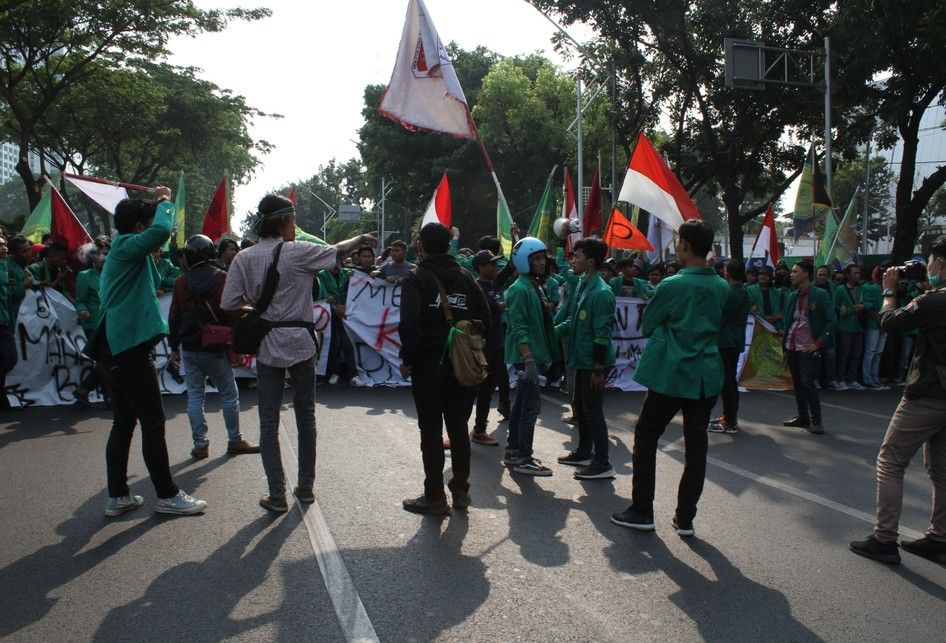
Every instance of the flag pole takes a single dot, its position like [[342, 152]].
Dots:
[[489, 163], [120, 184], [837, 233]]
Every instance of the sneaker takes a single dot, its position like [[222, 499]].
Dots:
[[801, 423], [874, 386], [815, 429], [484, 438], [575, 459], [838, 386], [276, 504], [181, 505], [461, 499], [934, 550], [423, 505], [633, 519], [716, 426], [118, 506], [236, 447], [200, 453], [511, 457], [304, 495], [357, 382], [684, 528], [595, 471], [333, 380], [570, 419], [731, 429], [531, 467], [900, 383], [870, 547], [855, 386]]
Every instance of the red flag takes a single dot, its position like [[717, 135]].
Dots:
[[292, 195], [440, 209], [64, 225], [591, 221], [651, 185], [767, 241], [217, 221], [570, 212], [623, 235]]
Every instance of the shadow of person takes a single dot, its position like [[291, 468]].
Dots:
[[536, 517], [27, 425], [198, 600]]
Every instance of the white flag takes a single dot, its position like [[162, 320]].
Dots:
[[105, 195], [424, 91]]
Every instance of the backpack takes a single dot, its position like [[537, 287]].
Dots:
[[465, 344]]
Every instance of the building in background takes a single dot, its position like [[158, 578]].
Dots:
[[8, 159]]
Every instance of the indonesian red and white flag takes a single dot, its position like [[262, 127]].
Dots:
[[767, 241], [424, 92], [440, 210], [651, 185], [102, 193], [570, 212]]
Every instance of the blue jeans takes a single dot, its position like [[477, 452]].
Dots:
[[525, 411], [874, 340], [198, 366]]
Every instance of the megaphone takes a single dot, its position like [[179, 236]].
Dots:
[[564, 226]]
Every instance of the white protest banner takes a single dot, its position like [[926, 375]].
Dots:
[[372, 313], [629, 343], [49, 342]]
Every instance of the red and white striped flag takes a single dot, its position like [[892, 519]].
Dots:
[[570, 212], [767, 241], [440, 210], [651, 185]]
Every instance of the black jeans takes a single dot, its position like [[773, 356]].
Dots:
[[655, 415], [850, 347], [341, 354], [730, 392], [588, 405], [498, 376], [8, 358], [805, 368], [136, 396], [441, 400]]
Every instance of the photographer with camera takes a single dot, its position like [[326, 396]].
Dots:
[[920, 418]]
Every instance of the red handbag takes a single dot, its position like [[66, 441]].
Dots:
[[215, 336]]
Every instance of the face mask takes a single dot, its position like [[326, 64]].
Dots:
[[934, 280]]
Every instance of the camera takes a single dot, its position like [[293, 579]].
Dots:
[[913, 269]]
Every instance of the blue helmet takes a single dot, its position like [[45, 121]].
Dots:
[[521, 252]]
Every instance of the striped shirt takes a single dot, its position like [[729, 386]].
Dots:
[[299, 263]]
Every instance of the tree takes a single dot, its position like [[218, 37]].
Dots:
[[738, 143], [51, 47]]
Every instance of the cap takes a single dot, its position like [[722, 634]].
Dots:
[[484, 257]]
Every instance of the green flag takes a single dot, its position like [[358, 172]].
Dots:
[[179, 215], [843, 236], [541, 227], [40, 220], [302, 235], [504, 226]]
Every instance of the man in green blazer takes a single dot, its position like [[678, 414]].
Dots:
[[129, 327], [681, 369], [850, 308], [810, 325], [589, 328]]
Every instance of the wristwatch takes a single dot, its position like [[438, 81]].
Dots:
[[889, 292]]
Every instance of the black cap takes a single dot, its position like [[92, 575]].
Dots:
[[484, 257]]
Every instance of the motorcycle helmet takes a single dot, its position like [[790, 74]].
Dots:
[[199, 249], [525, 248]]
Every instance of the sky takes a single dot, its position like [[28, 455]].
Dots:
[[310, 62]]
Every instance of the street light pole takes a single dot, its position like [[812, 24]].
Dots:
[[828, 173], [580, 197]]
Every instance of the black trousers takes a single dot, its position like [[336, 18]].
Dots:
[[656, 413], [588, 406], [136, 397], [498, 376], [441, 400], [341, 354], [8, 359], [730, 392]]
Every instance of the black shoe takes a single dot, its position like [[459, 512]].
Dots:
[[934, 550], [817, 428], [684, 528], [531, 467], [424, 505], [575, 459], [800, 422], [461, 499], [595, 471], [633, 519], [870, 547], [511, 457], [276, 504]]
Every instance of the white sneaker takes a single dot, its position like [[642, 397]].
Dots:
[[333, 380], [838, 386], [357, 382], [117, 506], [855, 386], [181, 505]]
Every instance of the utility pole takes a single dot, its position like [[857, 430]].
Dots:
[[866, 219], [614, 144], [828, 173], [580, 197]]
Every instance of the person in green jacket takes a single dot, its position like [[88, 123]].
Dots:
[[589, 329], [88, 307], [850, 308], [167, 272], [628, 282], [767, 300], [681, 369], [874, 337], [18, 277], [531, 348], [828, 357], [51, 271], [810, 324], [129, 327], [333, 288], [8, 354], [732, 341]]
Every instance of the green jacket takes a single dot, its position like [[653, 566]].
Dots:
[[776, 300], [334, 287], [42, 275], [682, 323], [732, 333], [589, 321], [528, 323], [167, 274], [17, 291], [821, 316], [128, 283], [850, 321], [5, 318], [87, 297], [571, 289], [872, 296], [642, 288]]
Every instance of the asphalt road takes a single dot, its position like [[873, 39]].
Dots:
[[534, 559]]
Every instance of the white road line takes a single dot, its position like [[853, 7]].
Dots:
[[834, 406], [769, 482], [352, 617]]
